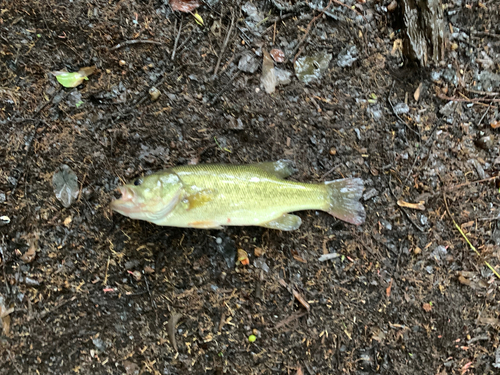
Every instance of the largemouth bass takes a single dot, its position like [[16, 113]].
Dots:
[[215, 195]]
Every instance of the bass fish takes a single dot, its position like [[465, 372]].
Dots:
[[214, 195]]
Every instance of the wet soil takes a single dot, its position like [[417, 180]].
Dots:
[[86, 291]]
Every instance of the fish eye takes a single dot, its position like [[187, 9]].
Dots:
[[138, 181]]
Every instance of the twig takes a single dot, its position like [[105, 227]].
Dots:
[[216, 97], [472, 182], [106, 274], [135, 41], [299, 46], [13, 361], [153, 303], [327, 173], [486, 93], [44, 313], [172, 322], [476, 100], [487, 34], [224, 46], [321, 12], [318, 108], [28, 150], [484, 115], [185, 41], [396, 114], [296, 294], [465, 237], [290, 319], [3, 262], [176, 38], [402, 209]]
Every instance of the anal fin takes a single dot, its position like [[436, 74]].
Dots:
[[285, 222]]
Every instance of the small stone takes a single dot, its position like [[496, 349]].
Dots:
[[248, 63], [386, 224], [401, 108], [370, 194], [154, 93]]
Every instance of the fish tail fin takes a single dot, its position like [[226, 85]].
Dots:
[[343, 200]]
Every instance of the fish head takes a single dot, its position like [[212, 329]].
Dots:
[[149, 198]]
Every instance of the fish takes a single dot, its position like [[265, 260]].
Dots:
[[211, 196]]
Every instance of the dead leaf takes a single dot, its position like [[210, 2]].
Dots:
[[427, 307], [278, 55], [65, 185], [416, 94], [243, 257], [299, 371], [415, 206], [185, 6], [495, 124], [268, 77], [29, 255]]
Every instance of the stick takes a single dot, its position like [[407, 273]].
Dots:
[[176, 39], [224, 47]]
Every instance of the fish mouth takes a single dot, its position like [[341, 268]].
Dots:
[[126, 203]]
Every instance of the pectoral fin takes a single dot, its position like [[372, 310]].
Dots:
[[197, 199], [280, 168], [286, 222]]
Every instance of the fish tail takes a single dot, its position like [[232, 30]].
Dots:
[[343, 200]]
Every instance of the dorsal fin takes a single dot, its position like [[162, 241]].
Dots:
[[281, 168]]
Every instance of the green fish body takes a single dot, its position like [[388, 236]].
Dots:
[[215, 195]]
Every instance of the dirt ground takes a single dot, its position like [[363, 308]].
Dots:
[[86, 291]]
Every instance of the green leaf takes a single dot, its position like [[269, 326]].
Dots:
[[68, 79]]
